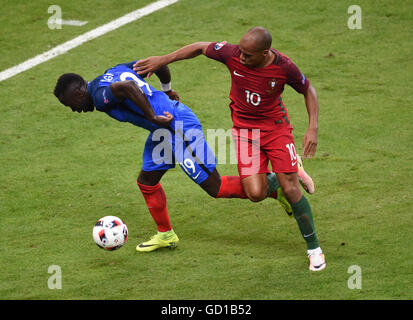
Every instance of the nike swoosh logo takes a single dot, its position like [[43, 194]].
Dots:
[[196, 175], [237, 74], [293, 163], [145, 245], [308, 235]]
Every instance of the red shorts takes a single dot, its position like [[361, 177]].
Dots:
[[255, 149]]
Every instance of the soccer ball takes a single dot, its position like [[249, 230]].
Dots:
[[110, 233]]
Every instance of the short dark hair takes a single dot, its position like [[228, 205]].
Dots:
[[261, 36], [65, 81]]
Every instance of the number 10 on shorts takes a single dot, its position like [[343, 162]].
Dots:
[[293, 153]]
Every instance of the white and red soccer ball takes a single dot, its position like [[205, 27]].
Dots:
[[110, 233]]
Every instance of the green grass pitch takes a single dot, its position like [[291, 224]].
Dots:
[[61, 171]]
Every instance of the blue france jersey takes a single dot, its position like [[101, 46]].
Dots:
[[126, 110], [185, 141]]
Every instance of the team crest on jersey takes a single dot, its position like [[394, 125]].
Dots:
[[272, 83], [219, 45]]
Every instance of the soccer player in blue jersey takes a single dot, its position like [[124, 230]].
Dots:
[[175, 135]]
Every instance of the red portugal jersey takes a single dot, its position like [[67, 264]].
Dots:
[[256, 92]]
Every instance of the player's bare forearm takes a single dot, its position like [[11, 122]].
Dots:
[[153, 63], [130, 90], [188, 52], [311, 103], [163, 74], [310, 139]]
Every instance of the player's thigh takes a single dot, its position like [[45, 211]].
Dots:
[[198, 161], [280, 149], [251, 158], [195, 157], [157, 156]]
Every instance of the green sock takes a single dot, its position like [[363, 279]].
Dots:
[[273, 183], [304, 217]]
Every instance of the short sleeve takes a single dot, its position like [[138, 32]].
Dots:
[[295, 78], [104, 98], [221, 51]]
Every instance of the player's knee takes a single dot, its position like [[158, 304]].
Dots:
[[292, 193], [256, 195], [145, 178], [212, 194], [212, 184], [211, 190], [150, 178]]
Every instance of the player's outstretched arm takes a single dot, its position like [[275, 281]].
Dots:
[[149, 65], [310, 138], [130, 90]]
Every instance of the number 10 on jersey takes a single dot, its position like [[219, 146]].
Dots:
[[253, 98]]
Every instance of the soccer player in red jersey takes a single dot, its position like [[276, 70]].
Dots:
[[262, 131]]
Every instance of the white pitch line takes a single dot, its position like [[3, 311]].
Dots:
[[75, 23], [95, 33]]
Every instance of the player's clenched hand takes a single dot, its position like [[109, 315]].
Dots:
[[163, 121], [173, 95], [310, 143], [148, 65]]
